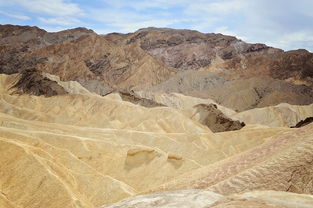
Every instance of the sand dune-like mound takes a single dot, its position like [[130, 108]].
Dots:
[[280, 115], [180, 101]]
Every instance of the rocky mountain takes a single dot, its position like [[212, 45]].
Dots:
[[17, 41], [162, 59]]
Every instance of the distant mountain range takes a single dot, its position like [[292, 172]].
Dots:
[[162, 59]]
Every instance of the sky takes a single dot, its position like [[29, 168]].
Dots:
[[286, 24]]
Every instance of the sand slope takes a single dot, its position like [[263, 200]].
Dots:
[[83, 150]]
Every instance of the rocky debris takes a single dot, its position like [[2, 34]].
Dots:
[[213, 118], [304, 122], [131, 97], [33, 82]]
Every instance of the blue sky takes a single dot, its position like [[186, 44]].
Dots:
[[286, 24]]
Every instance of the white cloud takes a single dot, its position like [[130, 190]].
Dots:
[[295, 40], [52, 12], [220, 8], [52, 7], [15, 16], [133, 26], [59, 21], [129, 21], [146, 4]]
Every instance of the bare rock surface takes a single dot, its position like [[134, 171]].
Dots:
[[33, 82], [188, 49], [304, 122], [213, 118], [131, 97]]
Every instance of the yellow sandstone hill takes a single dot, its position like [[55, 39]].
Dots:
[[84, 150]]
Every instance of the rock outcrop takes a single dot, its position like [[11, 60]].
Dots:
[[303, 122], [33, 82], [213, 118], [131, 97]]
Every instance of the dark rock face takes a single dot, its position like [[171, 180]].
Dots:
[[33, 82], [298, 63], [303, 122], [213, 118], [17, 41], [129, 97], [99, 66], [34, 37], [187, 49]]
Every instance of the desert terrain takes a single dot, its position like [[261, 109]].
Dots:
[[155, 118]]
